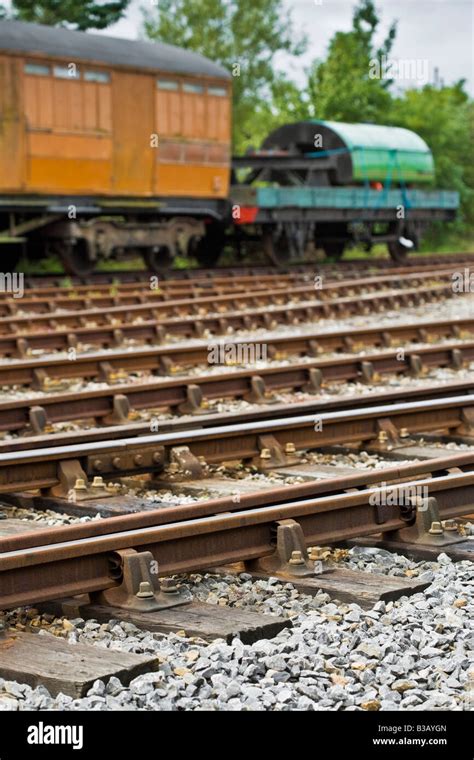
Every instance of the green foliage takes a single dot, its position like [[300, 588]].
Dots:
[[243, 36], [83, 15], [444, 117], [340, 88]]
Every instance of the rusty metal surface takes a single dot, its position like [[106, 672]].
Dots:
[[396, 474], [210, 419], [246, 273], [66, 295], [30, 574], [26, 470], [341, 291], [115, 365], [278, 346]]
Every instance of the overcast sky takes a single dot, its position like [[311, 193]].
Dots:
[[440, 32], [432, 33]]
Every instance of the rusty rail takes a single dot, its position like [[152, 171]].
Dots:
[[128, 429], [44, 468], [248, 318], [154, 332], [245, 272], [212, 284], [44, 372], [79, 559], [327, 291]]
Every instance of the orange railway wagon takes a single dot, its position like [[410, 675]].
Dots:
[[99, 135]]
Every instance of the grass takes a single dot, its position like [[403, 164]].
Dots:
[[452, 242]]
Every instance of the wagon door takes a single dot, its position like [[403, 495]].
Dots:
[[133, 153]]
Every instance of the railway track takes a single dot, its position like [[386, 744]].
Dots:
[[85, 559], [212, 283], [296, 504], [166, 307], [154, 332], [190, 394], [355, 266], [266, 443], [221, 321]]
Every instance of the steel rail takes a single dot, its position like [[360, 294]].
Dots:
[[177, 392], [202, 421], [277, 345], [72, 567], [213, 284], [210, 419], [133, 276], [388, 477], [205, 304], [248, 317], [26, 470]]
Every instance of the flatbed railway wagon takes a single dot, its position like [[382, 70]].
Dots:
[[110, 147]]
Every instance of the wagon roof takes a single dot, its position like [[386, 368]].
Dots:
[[56, 42]]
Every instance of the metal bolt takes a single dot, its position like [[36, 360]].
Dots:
[[80, 485], [449, 525], [173, 467], [313, 553], [157, 457], [296, 558], [436, 529], [404, 433], [97, 464], [382, 436], [98, 482], [116, 461], [265, 454], [138, 459], [202, 460], [145, 591], [290, 448], [168, 585]]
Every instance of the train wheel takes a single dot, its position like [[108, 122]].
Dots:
[[9, 257], [208, 249], [158, 259], [334, 249], [75, 258], [276, 250], [397, 251]]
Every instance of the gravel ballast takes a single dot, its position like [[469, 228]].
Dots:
[[411, 654]]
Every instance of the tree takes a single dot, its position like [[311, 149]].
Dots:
[[444, 117], [341, 87], [87, 14], [242, 35]]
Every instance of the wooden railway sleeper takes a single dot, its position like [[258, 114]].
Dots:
[[140, 589]]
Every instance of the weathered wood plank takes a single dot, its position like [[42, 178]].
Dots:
[[61, 667], [207, 621], [365, 589], [458, 551]]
